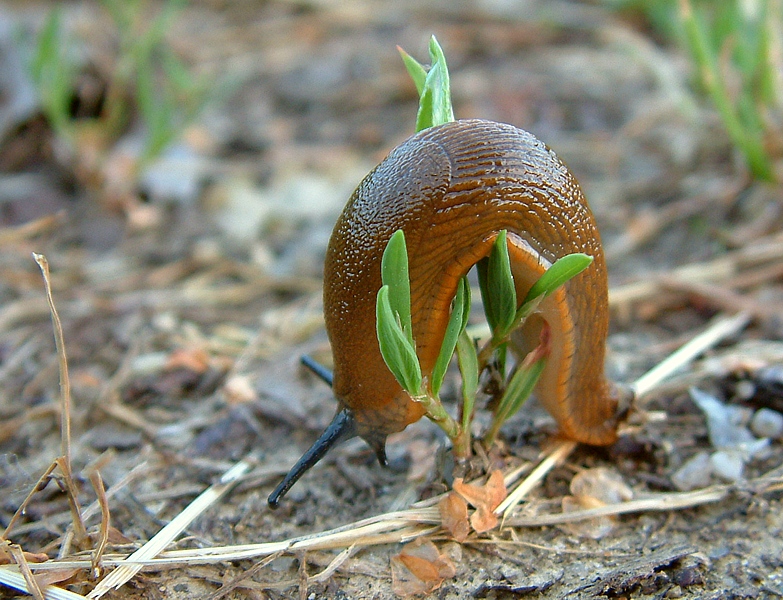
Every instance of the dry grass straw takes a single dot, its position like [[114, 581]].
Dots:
[[63, 462], [744, 268]]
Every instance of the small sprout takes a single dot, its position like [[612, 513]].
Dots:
[[434, 89], [497, 288], [736, 49], [53, 72], [166, 94]]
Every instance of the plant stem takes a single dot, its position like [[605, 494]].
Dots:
[[438, 415]]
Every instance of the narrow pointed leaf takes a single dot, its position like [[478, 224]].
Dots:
[[468, 366], [398, 352], [560, 272], [424, 118], [519, 389], [394, 274], [443, 111], [498, 291], [415, 69], [482, 270], [457, 321]]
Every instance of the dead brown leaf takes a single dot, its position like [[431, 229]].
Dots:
[[454, 516], [192, 359], [485, 498], [31, 557], [420, 568]]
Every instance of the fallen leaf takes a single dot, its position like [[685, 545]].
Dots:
[[192, 359], [53, 576], [420, 568], [31, 557], [484, 498], [454, 516]]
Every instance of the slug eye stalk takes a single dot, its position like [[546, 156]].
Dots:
[[342, 427]]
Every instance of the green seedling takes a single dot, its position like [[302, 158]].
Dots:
[[433, 85], [167, 95]]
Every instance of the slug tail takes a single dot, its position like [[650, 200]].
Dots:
[[342, 427]]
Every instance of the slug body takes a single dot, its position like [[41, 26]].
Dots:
[[452, 189]]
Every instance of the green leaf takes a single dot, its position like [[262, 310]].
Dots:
[[53, 72], [497, 288], [434, 88], [457, 321], [441, 85], [560, 272], [424, 118], [415, 69], [394, 274], [48, 44], [468, 367], [397, 350], [519, 389]]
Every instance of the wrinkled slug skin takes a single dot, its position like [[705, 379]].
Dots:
[[451, 189]]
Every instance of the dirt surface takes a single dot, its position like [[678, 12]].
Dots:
[[185, 307]]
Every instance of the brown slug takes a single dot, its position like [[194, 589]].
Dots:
[[451, 189]]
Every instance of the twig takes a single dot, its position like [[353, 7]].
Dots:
[[722, 269], [79, 530], [554, 458], [14, 235], [29, 579], [723, 298], [244, 576], [335, 564], [39, 485], [17, 581], [673, 501], [103, 539], [721, 328], [64, 461], [65, 382]]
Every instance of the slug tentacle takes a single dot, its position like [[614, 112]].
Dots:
[[342, 427]]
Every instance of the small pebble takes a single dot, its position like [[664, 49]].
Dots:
[[727, 464], [745, 390], [725, 423], [767, 423], [694, 473]]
